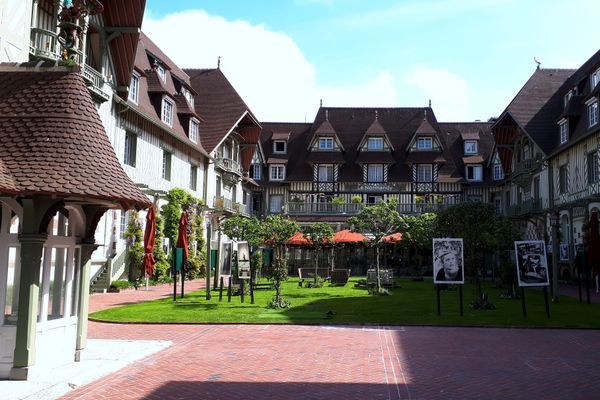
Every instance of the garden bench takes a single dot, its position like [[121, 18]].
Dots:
[[386, 277], [308, 273], [340, 276]]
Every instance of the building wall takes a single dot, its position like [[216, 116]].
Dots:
[[15, 23]]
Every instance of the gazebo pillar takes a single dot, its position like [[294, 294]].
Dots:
[[32, 246], [87, 248]]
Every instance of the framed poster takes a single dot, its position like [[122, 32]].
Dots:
[[243, 259], [564, 252], [448, 261], [532, 264], [226, 259]]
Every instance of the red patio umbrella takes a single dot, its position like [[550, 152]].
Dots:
[[393, 238], [149, 242], [182, 236], [298, 240], [347, 236], [594, 245]]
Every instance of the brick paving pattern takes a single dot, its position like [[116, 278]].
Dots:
[[352, 362]]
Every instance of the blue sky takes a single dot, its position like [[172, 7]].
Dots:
[[470, 57]]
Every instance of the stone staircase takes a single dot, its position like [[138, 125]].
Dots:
[[109, 270], [101, 280]]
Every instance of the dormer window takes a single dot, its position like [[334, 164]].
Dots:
[[194, 127], [375, 173], [277, 172], [424, 143], [592, 111], [471, 147], [474, 173], [424, 173], [134, 88], [325, 173], [375, 143], [188, 96], [167, 111], [162, 73], [326, 143], [280, 146], [569, 95], [255, 172], [595, 79], [563, 127]]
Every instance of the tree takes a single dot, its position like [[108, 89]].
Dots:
[[319, 233], [482, 232], [135, 247], [275, 230], [244, 229], [418, 233], [378, 220]]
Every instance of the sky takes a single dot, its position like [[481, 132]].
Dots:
[[285, 57]]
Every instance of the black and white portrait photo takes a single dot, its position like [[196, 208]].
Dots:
[[226, 265], [448, 264], [243, 258], [532, 265]]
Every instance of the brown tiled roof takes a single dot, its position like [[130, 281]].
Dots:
[[470, 135], [375, 128], [320, 157], [151, 90], [374, 157], [537, 105], [174, 70], [219, 104], [472, 160], [52, 141], [275, 160], [297, 169], [424, 157], [280, 135]]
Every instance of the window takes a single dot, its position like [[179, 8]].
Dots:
[[474, 173], [593, 171], [255, 172], [592, 113], [563, 127], [166, 165], [471, 147], [375, 173], [123, 223], [194, 126], [326, 143], [277, 172], [134, 88], [498, 172], [167, 111], [162, 73], [595, 79], [188, 96], [276, 203], [424, 143], [325, 173], [130, 149], [374, 199], [563, 181], [424, 173], [375, 144], [498, 206], [279, 146], [193, 177]]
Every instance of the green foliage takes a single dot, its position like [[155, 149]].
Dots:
[[121, 284], [243, 229], [135, 247], [319, 233], [418, 231], [161, 268], [338, 200], [195, 266], [171, 212], [356, 199]]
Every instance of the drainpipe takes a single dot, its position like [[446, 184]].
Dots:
[[554, 221]]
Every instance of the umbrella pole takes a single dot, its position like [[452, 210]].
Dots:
[[146, 280], [182, 275]]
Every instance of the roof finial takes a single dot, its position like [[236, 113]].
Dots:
[[376, 114], [219, 62], [326, 115], [425, 114], [537, 62], [321, 103], [429, 103]]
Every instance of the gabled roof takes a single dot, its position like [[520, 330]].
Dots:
[[536, 107], [376, 130], [326, 129], [219, 104], [52, 141]]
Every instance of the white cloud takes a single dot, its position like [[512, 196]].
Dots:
[[448, 92], [267, 68]]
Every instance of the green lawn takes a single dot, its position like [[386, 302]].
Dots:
[[412, 303]]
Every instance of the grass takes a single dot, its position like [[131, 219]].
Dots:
[[412, 303]]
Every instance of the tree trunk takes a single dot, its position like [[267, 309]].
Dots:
[[377, 271], [316, 264]]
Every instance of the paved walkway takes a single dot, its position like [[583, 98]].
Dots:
[[324, 362]]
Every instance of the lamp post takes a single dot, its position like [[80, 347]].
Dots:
[[553, 217], [208, 256]]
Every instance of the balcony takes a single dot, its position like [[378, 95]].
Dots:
[[527, 166], [44, 44], [526, 208], [299, 208], [226, 205]]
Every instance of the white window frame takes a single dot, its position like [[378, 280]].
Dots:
[[275, 143], [594, 79], [326, 143], [592, 111], [256, 171], [498, 172], [563, 128], [193, 177], [134, 88], [277, 172], [424, 171], [471, 147], [477, 172], [425, 143], [273, 206], [194, 129], [375, 173], [167, 108], [130, 149], [162, 72], [167, 162], [188, 96], [325, 173], [375, 143]]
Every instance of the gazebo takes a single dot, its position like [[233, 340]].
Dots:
[[58, 175]]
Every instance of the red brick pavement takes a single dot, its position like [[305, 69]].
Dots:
[[232, 362]]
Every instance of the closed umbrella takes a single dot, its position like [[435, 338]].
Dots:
[[182, 243], [149, 242]]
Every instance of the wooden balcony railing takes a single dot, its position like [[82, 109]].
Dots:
[[527, 166], [228, 165], [227, 205]]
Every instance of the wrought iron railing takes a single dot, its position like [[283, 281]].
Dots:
[[44, 44], [228, 165], [527, 207], [526, 166], [299, 208], [224, 204]]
